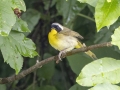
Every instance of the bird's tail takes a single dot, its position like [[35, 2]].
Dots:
[[89, 53]]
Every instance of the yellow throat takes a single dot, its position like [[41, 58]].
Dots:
[[52, 36]]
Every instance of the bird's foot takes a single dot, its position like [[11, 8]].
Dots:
[[61, 53]]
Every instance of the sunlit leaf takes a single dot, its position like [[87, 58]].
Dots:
[[104, 35], [105, 86], [116, 37], [1, 40], [11, 55], [106, 13], [108, 0], [24, 45], [20, 26], [7, 17], [100, 71], [15, 45], [18, 4]]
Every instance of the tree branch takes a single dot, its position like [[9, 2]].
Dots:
[[45, 61]]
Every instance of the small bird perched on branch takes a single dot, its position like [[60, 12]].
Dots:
[[64, 40]]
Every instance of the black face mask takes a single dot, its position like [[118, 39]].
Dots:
[[56, 27]]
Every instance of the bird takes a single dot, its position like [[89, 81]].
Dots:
[[64, 40]]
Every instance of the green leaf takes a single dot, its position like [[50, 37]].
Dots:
[[90, 2], [78, 61], [104, 35], [21, 26], [7, 18], [100, 71], [105, 86], [14, 46], [18, 4], [24, 45], [3, 87], [1, 40], [106, 13], [78, 87], [116, 37], [69, 9], [108, 0], [11, 55], [31, 16]]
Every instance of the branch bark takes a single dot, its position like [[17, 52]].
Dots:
[[45, 61]]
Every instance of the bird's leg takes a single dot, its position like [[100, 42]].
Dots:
[[60, 54]]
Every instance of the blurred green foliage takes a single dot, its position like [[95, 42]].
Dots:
[[71, 13]]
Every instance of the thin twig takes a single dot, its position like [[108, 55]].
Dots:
[[45, 61]]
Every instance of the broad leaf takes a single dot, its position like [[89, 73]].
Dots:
[[1, 40], [3, 87], [106, 13], [91, 2], [25, 46], [18, 4], [31, 16], [69, 9], [100, 71], [11, 55], [21, 26], [116, 37], [7, 17], [105, 86], [14, 46]]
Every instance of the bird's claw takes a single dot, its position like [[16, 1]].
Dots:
[[62, 53]]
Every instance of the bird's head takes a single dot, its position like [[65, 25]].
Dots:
[[56, 26]]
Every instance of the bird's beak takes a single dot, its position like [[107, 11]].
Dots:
[[52, 28]]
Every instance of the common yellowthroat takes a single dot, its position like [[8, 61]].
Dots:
[[64, 39]]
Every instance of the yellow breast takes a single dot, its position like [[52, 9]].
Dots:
[[53, 39]]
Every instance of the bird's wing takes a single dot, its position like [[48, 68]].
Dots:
[[69, 32]]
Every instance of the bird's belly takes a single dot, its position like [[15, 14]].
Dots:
[[67, 43]]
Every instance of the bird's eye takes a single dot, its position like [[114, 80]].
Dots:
[[56, 27]]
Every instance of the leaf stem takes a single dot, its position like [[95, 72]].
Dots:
[[82, 15]]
